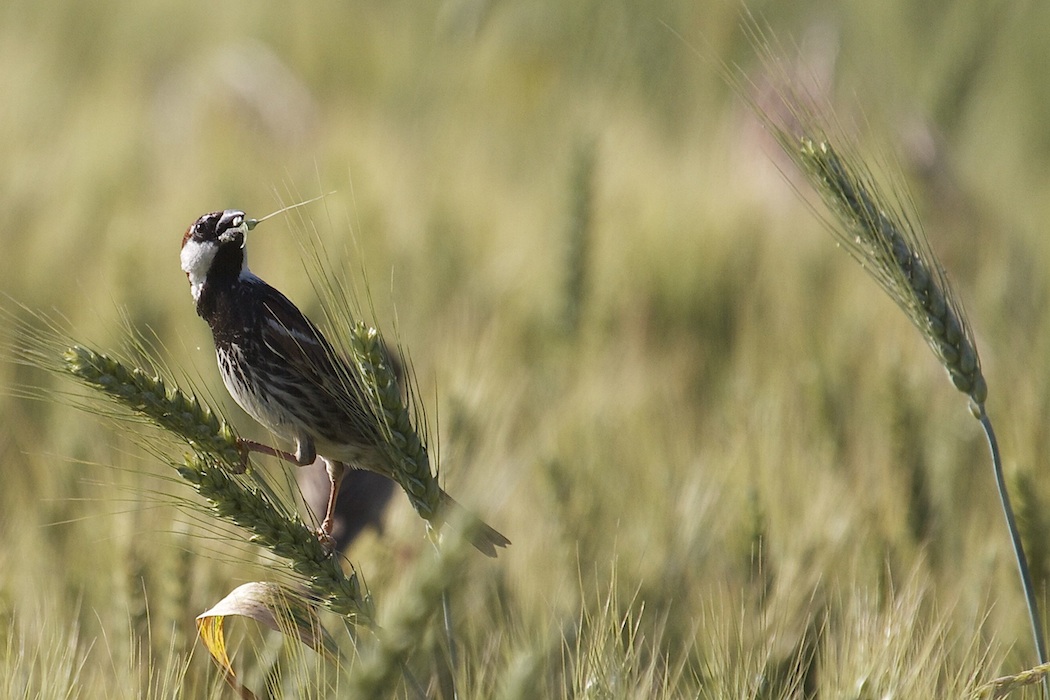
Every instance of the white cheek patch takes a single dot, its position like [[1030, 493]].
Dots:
[[196, 260]]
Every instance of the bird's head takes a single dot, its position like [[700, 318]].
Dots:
[[213, 248]]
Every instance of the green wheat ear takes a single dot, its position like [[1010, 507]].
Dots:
[[287, 537], [894, 251], [148, 395], [403, 445]]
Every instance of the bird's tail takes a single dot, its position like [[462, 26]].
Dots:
[[484, 538]]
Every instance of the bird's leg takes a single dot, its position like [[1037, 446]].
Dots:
[[247, 446], [305, 454], [304, 451], [336, 471]]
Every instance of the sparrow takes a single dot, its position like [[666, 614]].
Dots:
[[279, 367]]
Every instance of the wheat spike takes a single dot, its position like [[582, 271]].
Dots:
[[404, 449], [894, 251]]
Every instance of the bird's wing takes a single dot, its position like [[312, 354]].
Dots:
[[293, 337]]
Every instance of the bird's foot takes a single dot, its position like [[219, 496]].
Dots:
[[243, 449], [324, 535]]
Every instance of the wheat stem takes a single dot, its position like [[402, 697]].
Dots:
[[1015, 539], [446, 620], [450, 640], [578, 235]]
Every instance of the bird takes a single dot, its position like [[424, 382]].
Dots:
[[282, 370]]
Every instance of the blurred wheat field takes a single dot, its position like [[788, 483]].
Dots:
[[729, 467]]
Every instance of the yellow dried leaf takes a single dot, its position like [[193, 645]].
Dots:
[[271, 605]]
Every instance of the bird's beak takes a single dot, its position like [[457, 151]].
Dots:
[[249, 224]]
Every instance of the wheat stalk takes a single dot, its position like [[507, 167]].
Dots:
[[894, 251], [578, 235]]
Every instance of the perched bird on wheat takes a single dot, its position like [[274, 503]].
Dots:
[[283, 371]]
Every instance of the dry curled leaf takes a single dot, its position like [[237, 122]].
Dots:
[[269, 604]]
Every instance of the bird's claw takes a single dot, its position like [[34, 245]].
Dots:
[[242, 449], [324, 535]]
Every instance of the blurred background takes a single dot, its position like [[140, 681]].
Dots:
[[728, 465]]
